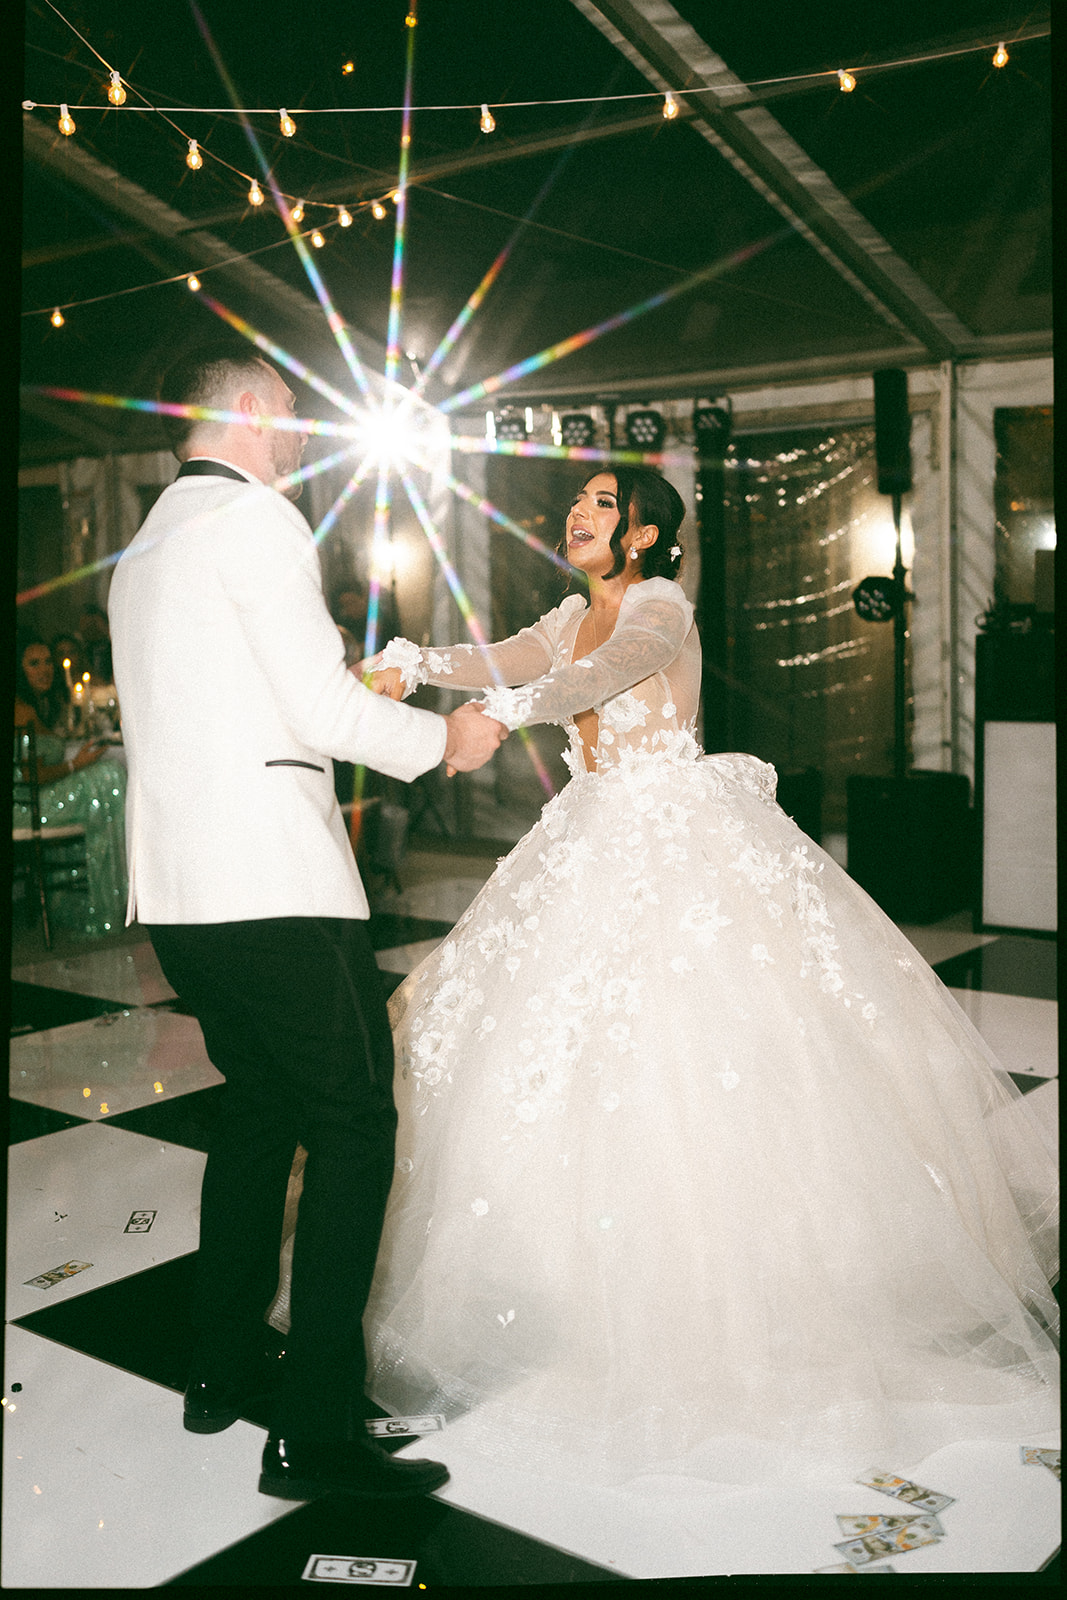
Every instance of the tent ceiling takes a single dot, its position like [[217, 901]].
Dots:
[[786, 227]]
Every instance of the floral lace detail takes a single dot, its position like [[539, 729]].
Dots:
[[512, 707], [407, 658], [622, 713]]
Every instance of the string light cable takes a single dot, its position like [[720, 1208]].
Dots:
[[996, 43]]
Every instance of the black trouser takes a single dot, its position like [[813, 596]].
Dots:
[[294, 1018]]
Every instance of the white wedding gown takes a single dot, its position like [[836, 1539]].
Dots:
[[700, 1167]]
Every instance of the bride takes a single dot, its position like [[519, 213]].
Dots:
[[700, 1167]]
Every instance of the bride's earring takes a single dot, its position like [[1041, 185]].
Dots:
[[633, 553]]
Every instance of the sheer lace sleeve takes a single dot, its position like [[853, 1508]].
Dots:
[[525, 655], [653, 622]]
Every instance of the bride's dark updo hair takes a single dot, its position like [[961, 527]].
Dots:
[[655, 501]]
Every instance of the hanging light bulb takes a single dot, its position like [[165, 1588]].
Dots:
[[670, 106], [66, 121], [317, 240], [378, 211], [488, 121], [344, 217], [255, 194], [194, 160], [394, 196], [288, 126], [297, 213], [193, 281], [846, 81], [411, 20], [57, 318], [349, 66], [1001, 58], [116, 93]]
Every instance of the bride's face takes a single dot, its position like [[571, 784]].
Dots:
[[591, 522]]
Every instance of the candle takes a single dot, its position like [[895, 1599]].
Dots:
[[66, 673]]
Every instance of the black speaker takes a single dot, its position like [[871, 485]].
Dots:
[[892, 430], [911, 843]]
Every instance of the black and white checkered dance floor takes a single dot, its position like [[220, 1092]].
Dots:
[[112, 1100]]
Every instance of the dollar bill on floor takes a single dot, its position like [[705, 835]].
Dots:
[[855, 1525], [403, 1427], [846, 1566], [905, 1490], [1032, 1455], [358, 1569], [917, 1532]]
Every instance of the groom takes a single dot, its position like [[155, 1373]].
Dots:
[[234, 693]]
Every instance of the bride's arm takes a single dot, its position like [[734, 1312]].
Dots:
[[647, 637], [524, 656]]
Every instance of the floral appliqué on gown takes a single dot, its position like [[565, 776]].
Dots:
[[700, 1167]]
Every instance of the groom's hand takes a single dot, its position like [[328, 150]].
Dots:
[[472, 738]]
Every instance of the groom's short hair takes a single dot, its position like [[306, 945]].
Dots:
[[206, 375]]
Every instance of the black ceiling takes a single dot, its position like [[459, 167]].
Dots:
[[907, 220]]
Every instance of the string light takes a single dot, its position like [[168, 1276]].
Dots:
[[1001, 57], [344, 217], [317, 240], [57, 318], [297, 212], [670, 106], [378, 211], [194, 160], [255, 194], [411, 20], [66, 121], [394, 196], [193, 281], [349, 66], [116, 93], [488, 121], [288, 126], [846, 81]]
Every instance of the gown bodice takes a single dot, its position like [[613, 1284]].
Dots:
[[643, 681]]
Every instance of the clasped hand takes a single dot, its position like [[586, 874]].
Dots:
[[472, 736]]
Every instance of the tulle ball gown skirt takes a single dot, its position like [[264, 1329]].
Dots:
[[700, 1166]]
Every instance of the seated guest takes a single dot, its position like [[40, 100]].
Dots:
[[39, 688], [85, 787]]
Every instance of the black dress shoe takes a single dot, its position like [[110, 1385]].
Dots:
[[212, 1404], [306, 1470]]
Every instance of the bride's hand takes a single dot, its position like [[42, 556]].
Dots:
[[386, 680]]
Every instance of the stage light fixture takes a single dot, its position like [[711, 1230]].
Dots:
[[645, 430], [577, 430], [510, 424], [712, 423]]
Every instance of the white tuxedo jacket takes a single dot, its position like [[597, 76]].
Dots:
[[234, 694]]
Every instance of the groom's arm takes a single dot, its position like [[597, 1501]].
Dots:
[[269, 566]]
